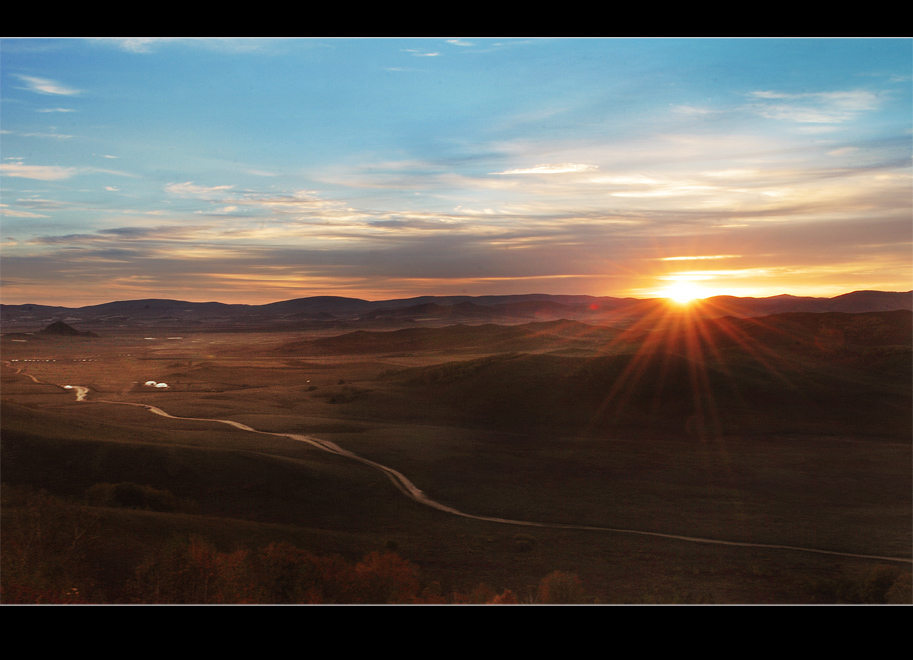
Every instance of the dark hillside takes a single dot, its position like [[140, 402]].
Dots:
[[821, 334], [212, 472], [871, 301], [480, 338], [828, 373]]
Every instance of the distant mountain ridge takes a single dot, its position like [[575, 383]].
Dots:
[[342, 312]]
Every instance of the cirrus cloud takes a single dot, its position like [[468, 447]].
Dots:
[[814, 107], [39, 172], [553, 168], [46, 86]]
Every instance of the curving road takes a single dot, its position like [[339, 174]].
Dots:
[[412, 491], [81, 391]]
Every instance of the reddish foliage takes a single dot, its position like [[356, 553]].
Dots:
[[24, 594]]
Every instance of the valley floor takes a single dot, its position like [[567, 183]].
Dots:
[[460, 426]]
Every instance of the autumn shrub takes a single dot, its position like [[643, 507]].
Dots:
[[191, 572], [285, 574], [507, 597], [483, 594], [480, 595], [386, 578], [560, 588]]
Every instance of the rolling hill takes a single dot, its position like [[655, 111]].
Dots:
[[351, 313]]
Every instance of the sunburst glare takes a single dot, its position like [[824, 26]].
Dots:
[[684, 292]]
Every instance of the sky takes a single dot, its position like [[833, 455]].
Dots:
[[259, 170]]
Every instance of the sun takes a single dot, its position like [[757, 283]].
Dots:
[[684, 292]]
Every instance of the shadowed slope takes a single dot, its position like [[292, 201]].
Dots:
[[829, 373], [550, 336]]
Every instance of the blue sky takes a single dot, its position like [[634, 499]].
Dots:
[[246, 170]]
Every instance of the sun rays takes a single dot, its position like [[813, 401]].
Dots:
[[691, 359], [684, 292]]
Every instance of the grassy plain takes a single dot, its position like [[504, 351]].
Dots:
[[790, 433]]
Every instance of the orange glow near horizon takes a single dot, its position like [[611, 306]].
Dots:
[[644, 281], [684, 292]]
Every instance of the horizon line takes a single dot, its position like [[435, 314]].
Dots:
[[506, 295]]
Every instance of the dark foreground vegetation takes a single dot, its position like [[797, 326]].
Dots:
[[53, 553]]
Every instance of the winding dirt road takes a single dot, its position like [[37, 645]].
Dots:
[[412, 491]]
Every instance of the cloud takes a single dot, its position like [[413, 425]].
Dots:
[[5, 210], [418, 53], [119, 235], [843, 151], [553, 168], [692, 110], [188, 189], [58, 136], [46, 86], [814, 107], [460, 42], [301, 203], [39, 172], [55, 110], [148, 44], [702, 257], [136, 44]]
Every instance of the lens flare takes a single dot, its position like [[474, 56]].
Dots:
[[684, 292]]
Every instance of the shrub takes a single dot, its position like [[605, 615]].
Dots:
[[560, 588], [132, 496], [524, 543], [285, 574], [191, 572], [506, 598], [386, 578], [880, 584]]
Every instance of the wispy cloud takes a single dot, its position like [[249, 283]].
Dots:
[[224, 201], [188, 189], [145, 45], [701, 257], [552, 168], [164, 233], [136, 44], [56, 136], [39, 172], [692, 110], [420, 53], [814, 107], [13, 213], [46, 86]]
